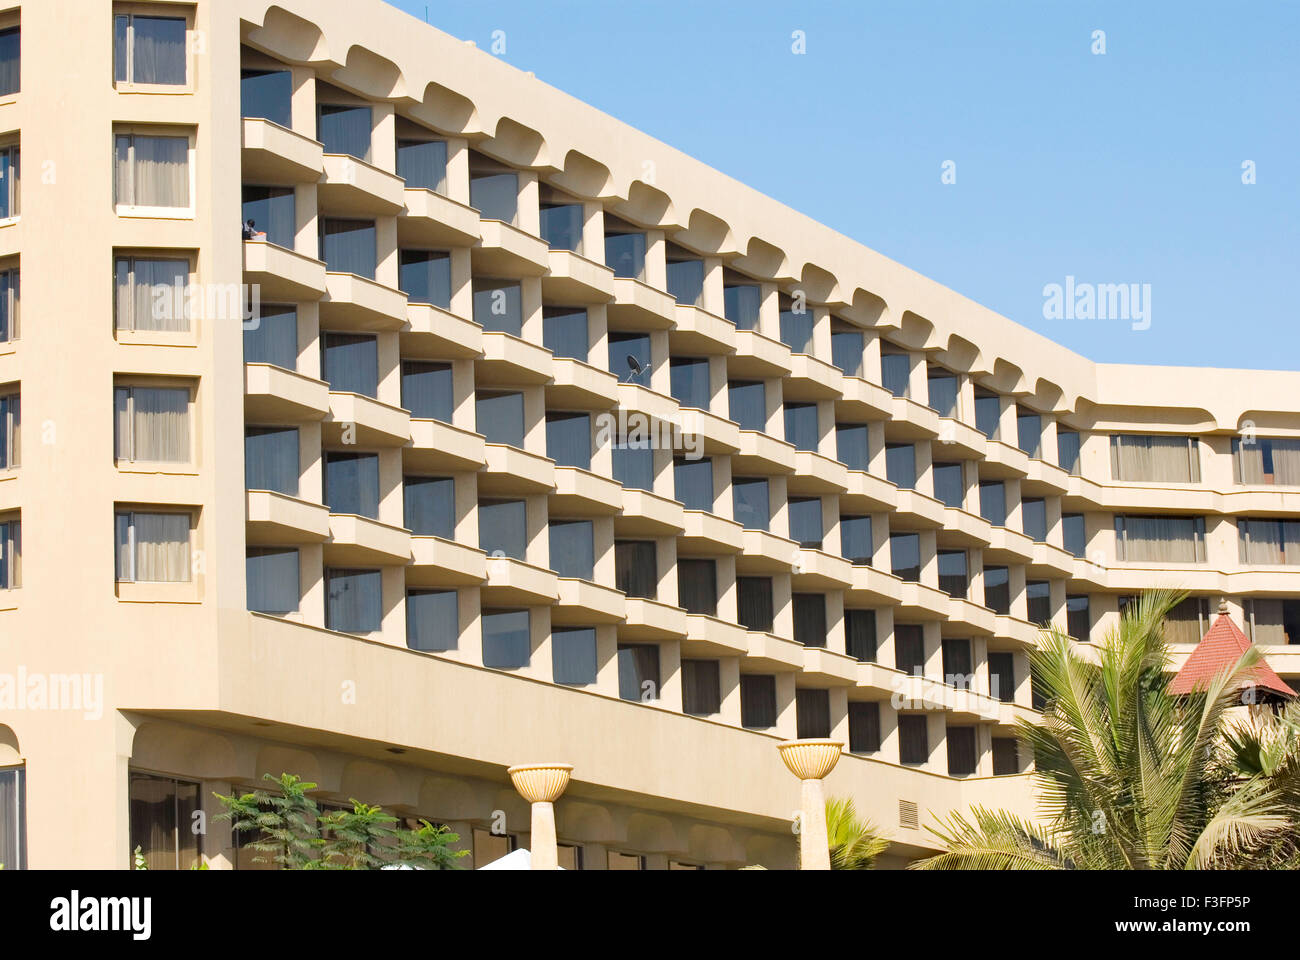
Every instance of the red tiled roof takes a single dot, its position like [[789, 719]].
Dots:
[[1220, 648]]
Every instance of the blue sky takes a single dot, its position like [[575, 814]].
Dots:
[[1124, 167]]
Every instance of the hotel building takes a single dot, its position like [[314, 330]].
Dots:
[[373, 411]]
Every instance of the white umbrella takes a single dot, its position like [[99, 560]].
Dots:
[[519, 859]]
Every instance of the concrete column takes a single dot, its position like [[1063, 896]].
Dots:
[[811, 761], [541, 785]]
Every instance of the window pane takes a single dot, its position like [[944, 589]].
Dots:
[[801, 425], [427, 390], [271, 211], [806, 523], [348, 246], [562, 226], [425, 276], [1038, 594], [1033, 515], [352, 483], [502, 528], [638, 671], [1075, 534], [812, 713], [1006, 757], [564, 332], [952, 572], [573, 655], [694, 483], [701, 688], [1078, 619], [809, 619], [797, 330], [500, 417], [162, 547], [751, 503], [988, 414], [949, 484], [846, 352], [860, 634], [757, 701], [629, 357], [1154, 459], [345, 129], [686, 281], [961, 751], [432, 620], [423, 164], [864, 727], [568, 439], [507, 644], [689, 382], [943, 392], [13, 818], [905, 553], [497, 307], [159, 47], [268, 95], [754, 603], [8, 305], [10, 61], [958, 668], [993, 503], [495, 196], [625, 254], [273, 337], [1029, 432], [697, 586], [160, 425], [429, 504], [855, 540], [572, 549], [1002, 676], [1067, 451], [161, 172], [740, 305], [636, 568], [997, 590], [852, 445], [161, 811], [271, 459], [913, 739], [896, 373], [272, 579], [350, 363], [1161, 539], [634, 465], [900, 464], [747, 400], [909, 648]]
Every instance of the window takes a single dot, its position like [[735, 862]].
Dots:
[[8, 305], [853, 445], [693, 482], [1185, 623], [796, 322], [152, 172], [1033, 518], [754, 603], [636, 570], [152, 294], [10, 183], [1155, 459], [10, 70], [1074, 533], [1067, 454], [271, 459], [1269, 541], [1078, 619], [953, 578], [1273, 621], [801, 427], [634, 464], [701, 688], [1266, 460], [564, 332], [625, 253], [997, 590], [1029, 432], [11, 554], [489, 847], [353, 600], [988, 413], [1038, 595], [689, 381], [352, 483], [900, 465], [149, 49], [741, 303], [896, 372], [348, 246], [345, 129], [748, 404], [961, 751], [629, 357], [942, 387], [164, 824], [860, 634], [757, 701], [568, 439], [572, 549], [697, 586], [685, 280], [495, 195], [1006, 757], [425, 276], [905, 555], [812, 710], [350, 363], [809, 619], [625, 861], [428, 390], [272, 579], [805, 514], [846, 351], [958, 668], [750, 503], [909, 648], [152, 547], [13, 818], [273, 337], [429, 506], [502, 530], [500, 417], [573, 655], [271, 210], [561, 225], [432, 620], [993, 502], [497, 306], [1002, 676], [10, 431], [864, 726], [856, 543], [423, 164], [949, 484], [913, 739], [1160, 539], [267, 95], [638, 671], [507, 641]]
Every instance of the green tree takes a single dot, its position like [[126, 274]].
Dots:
[[287, 823], [1130, 777], [854, 843]]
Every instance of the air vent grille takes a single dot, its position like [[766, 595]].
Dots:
[[908, 815]]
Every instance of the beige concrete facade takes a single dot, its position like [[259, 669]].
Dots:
[[198, 689]]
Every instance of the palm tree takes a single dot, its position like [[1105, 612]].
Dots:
[[854, 843], [1130, 777]]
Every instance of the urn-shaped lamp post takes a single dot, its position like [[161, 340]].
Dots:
[[541, 785], [810, 761]]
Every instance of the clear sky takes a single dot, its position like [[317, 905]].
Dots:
[[1122, 167]]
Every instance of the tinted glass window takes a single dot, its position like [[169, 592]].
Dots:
[[748, 404], [432, 620], [266, 95], [429, 505], [568, 439], [423, 164], [425, 275], [693, 480], [506, 641], [497, 307], [564, 332], [500, 417], [502, 528], [751, 504], [427, 390]]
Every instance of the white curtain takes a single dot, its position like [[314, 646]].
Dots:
[[11, 563], [152, 424], [158, 44], [152, 171], [1270, 541], [1154, 459], [162, 547], [1160, 539], [153, 294], [1266, 618]]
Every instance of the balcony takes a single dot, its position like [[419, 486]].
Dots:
[[651, 620], [918, 601], [1018, 631], [711, 637], [431, 220], [581, 493], [714, 434], [360, 304], [513, 582], [867, 493], [967, 706], [274, 154], [444, 563], [573, 279], [364, 421], [873, 588], [964, 529], [918, 511], [768, 653], [275, 395], [510, 361], [658, 409], [966, 616], [765, 553], [812, 379], [1008, 546], [639, 306], [1044, 480], [911, 421], [818, 570], [437, 446], [282, 274], [758, 357], [957, 441], [354, 188], [697, 332], [879, 681], [506, 251], [437, 334], [1050, 561], [511, 471], [275, 518], [828, 668], [707, 533], [762, 455], [583, 602], [861, 400], [818, 474], [358, 541], [579, 386], [1003, 461], [646, 514]]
